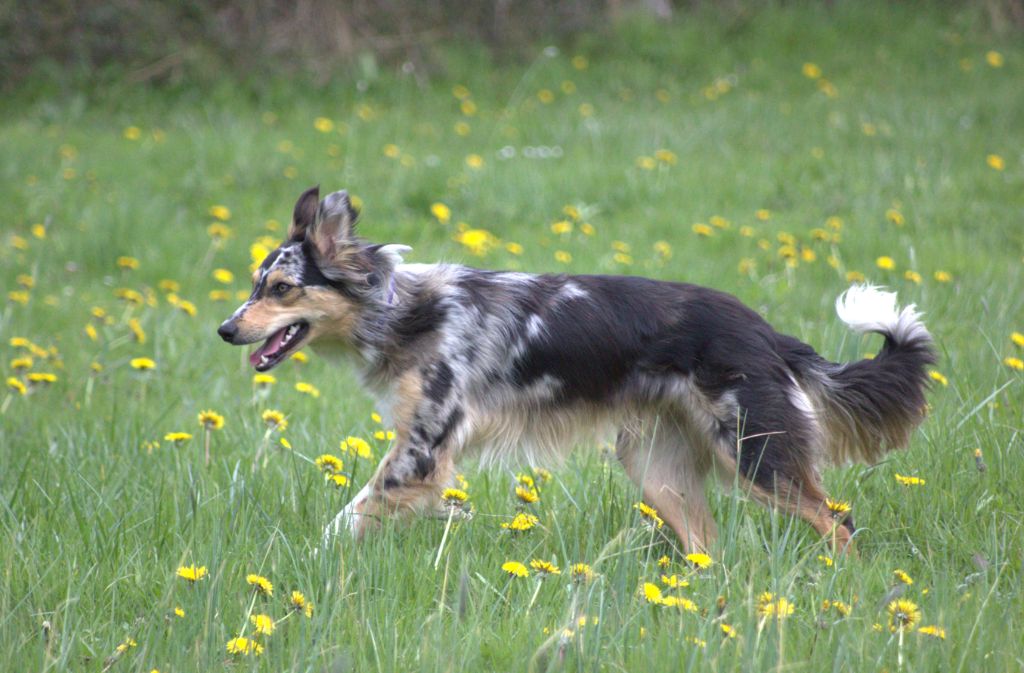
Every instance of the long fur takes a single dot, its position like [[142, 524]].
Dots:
[[505, 364]]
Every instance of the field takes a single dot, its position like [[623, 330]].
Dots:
[[778, 158]]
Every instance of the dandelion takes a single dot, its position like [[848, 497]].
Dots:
[[854, 277], [177, 437], [580, 62], [895, 216], [826, 560], [521, 522], [178, 612], [475, 161], [936, 376], [16, 385], [192, 573], [264, 380], [264, 624], [515, 569], [454, 497], [811, 70], [21, 363], [218, 232], [545, 568], [675, 581], [837, 508], [219, 212], [275, 420], [646, 163], [994, 59], [912, 276], [902, 577], [41, 377], [562, 256], [663, 249], [1014, 363], [933, 631], [581, 572], [329, 464], [886, 263], [1017, 338], [244, 646], [136, 327], [223, 276], [300, 357], [943, 276], [763, 214], [769, 606], [841, 608], [652, 593], [261, 584], [699, 561], [664, 561], [299, 603], [126, 645], [694, 640], [649, 514], [561, 227], [903, 615], [127, 263], [210, 420], [995, 162], [142, 364], [527, 494], [478, 241], [909, 481], [514, 248], [667, 157], [338, 480], [358, 446], [323, 124], [442, 212], [702, 229], [307, 389], [727, 630]]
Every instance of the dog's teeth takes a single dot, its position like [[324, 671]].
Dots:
[[264, 359]]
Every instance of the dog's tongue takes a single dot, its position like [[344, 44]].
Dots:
[[269, 347]]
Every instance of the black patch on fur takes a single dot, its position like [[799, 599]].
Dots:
[[312, 275], [423, 317], [439, 382], [425, 463], [449, 425], [390, 482]]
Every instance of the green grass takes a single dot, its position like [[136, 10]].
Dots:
[[93, 524]]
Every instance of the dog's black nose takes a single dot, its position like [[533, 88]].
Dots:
[[228, 330]]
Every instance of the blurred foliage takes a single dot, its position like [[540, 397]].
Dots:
[[166, 42]]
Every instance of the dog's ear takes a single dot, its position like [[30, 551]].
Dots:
[[335, 224], [304, 216]]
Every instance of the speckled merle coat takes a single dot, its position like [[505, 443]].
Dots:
[[687, 379]]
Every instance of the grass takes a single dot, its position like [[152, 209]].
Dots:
[[96, 519]]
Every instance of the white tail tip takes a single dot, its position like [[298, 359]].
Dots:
[[867, 308]]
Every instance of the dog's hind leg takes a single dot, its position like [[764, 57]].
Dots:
[[670, 471]]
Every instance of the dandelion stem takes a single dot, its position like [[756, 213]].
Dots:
[[206, 446], [444, 537], [533, 598], [899, 652]]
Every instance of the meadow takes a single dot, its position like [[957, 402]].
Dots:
[[779, 158]]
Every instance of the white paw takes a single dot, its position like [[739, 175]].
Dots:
[[345, 521]]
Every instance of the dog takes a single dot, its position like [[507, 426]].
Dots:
[[505, 364]]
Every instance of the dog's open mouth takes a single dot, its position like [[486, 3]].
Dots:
[[277, 347]]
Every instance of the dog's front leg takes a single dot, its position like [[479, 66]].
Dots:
[[430, 429]]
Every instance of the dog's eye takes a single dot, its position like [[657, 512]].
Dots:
[[281, 288]]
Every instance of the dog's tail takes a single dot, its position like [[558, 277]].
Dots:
[[872, 406]]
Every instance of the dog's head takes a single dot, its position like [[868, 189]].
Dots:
[[317, 284]]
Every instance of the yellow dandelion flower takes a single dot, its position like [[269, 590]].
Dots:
[[912, 276], [329, 464], [943, 276], [1014, 363], [663, 249], [837, 508], [826, 560], [895, 216], [142, 363], [478, 241], [515, 569], [562, 257], [679, 602], [937, 376], [854, 277], [223, 276], [192, 573], [454, 497], [811, 70], [587, 229], [41, 377], [218, 232], [649, 514], [514, 248], [903, 615], [580, 62], [646, 163], [995, 162], [222, 213], [177, 437], [652, 593], [763, 214], [909, 481], [261, 584], [702, 229], [300, 357], [244, 646], [210, 420], [126, 645], [545, 96], [338, 480], [769, 606], [581, 572], [136, 327], [521, 522], [902, 577], [694, 640], [933, 631], [442, 212], [1017, 338], [727, 630], [475, 161], [21, 363], [667, 157], [561, 227], [885, 262], [718, 222], [675, 581], [461, 128], [358, 446], [323, 124], [16, 385], [264, 624], [264, 379], [275, 420], [527, 495], [131, 133], [698, 560], [545, 568], [179, 612], [664, 561], [125, 262], [994, 59], [307, 389]]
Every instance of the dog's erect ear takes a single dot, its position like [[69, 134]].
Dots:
[[304, 216], [335, 224]]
